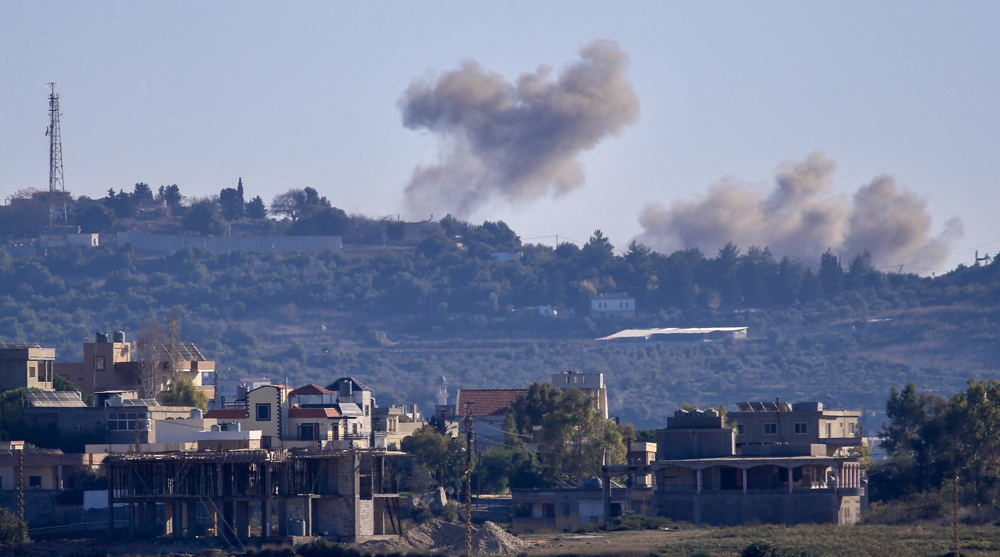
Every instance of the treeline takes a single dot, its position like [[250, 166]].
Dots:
[[399, 318], [295, 212], [943, 452]]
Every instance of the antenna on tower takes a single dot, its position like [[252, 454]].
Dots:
[[985, 258], [57, 188]]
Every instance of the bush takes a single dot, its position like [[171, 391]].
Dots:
[[450, 512], [633, 521], [12, 529]]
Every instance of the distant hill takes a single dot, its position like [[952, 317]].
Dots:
[[398, 317]]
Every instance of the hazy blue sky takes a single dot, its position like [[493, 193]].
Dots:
[[294, 94]]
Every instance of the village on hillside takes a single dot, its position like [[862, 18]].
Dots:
[[264, 461]]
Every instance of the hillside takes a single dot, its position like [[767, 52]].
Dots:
[[399, 318]]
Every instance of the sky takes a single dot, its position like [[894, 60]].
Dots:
[[798, 125]]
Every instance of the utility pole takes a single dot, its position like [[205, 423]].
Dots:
[[468, 478], [57, 187], [954, 520], [20, 495]]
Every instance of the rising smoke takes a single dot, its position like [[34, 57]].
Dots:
[[516, 141], [802, 217]]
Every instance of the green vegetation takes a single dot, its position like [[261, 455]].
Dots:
[[934, 443], [398, 316], [183, 392]]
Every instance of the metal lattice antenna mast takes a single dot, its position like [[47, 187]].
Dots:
[[57, 188]]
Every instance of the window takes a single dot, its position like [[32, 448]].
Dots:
[[828, 430], [801, 427], [263, 412], [771, 429], [309, 432], [31, 371], [126, 421], [34, 481], [265, 442], [98, 363], [850, 428], [355, 429]]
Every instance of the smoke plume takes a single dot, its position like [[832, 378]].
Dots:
[[802, 217], [516, 141]]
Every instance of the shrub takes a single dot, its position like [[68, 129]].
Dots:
[[12, 529]]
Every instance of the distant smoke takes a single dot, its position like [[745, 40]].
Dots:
[[517, 141], [802, 217]]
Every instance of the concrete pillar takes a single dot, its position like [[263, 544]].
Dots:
[[213, 518], [282, 518], [266, 511], [229, 518], [178, 519], [789, 480], [744, 481], [242, 519], [697, 476], [307, 514], [191, 519]]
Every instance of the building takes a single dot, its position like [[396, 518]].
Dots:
[[802, 423], [26, 366], [118, 421], [678, 335], [592, 384], [46, 473], [116, 365], [703, 475], [397, 423], [488, 408], [612, 305], [349, 496]]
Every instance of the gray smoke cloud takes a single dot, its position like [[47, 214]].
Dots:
[[516, 141], [802, 217]]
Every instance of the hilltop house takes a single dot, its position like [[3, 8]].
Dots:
[[27, 366]]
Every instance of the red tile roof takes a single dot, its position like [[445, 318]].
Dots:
[[310, 389], [313, 413], [488, 402], [228, 414]]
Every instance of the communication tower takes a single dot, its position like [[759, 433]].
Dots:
[[57, 188]]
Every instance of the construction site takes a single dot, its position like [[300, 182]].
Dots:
[[348, 496]]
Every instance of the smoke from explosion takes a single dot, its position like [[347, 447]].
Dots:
[[517, 141], [802, 217]]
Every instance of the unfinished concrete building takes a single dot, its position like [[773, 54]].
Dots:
[[345, 495]]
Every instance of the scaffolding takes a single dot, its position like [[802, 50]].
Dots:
[[238, 495]]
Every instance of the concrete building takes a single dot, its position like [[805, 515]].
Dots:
[[397, 423], [702, 475], [26, 366], [113, 365], [592, 384], [349, 496], [802, 423], [612, 305], [122, 421]]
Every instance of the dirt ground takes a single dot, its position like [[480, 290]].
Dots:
[[820, 541]]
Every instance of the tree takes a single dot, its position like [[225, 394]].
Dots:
[[256, 210], [575, 436], [183, 392], [205, 218], [831, 275], [322, 221], [972, 423], [441, 455], [147, 349], [171, 195], [96, 219], [231, 202], [295, 202], [142, 193]]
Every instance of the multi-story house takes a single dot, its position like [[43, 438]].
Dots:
[[26, 366]]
